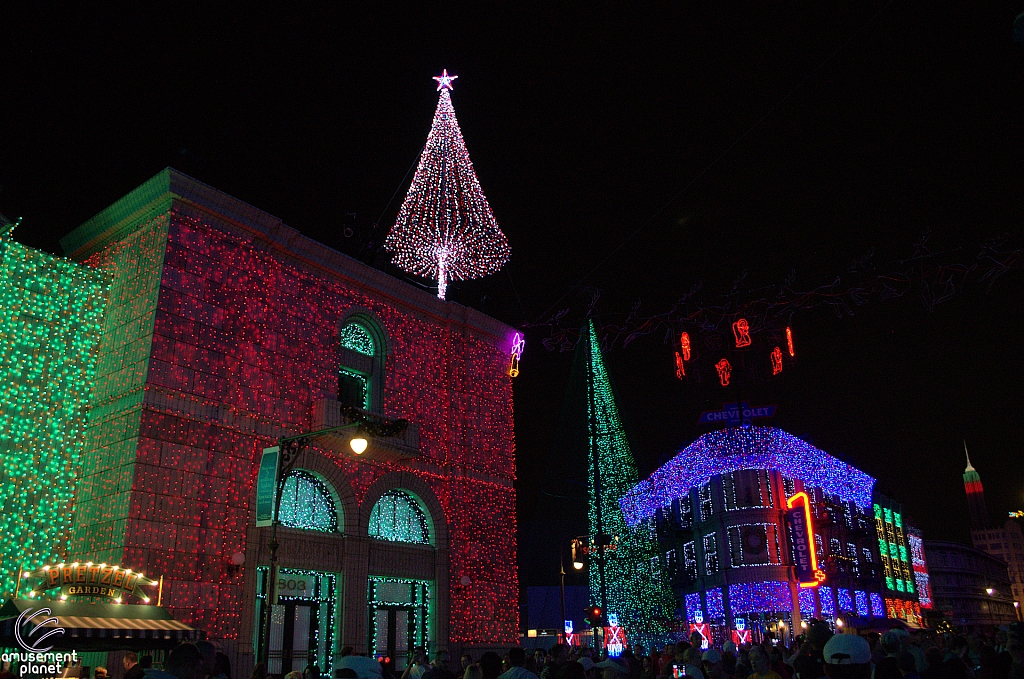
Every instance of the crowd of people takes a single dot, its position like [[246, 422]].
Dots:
[[818, 654]]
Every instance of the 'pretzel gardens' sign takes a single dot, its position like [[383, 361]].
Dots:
[[89, 579]]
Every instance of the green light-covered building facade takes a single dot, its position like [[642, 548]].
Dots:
[[51, 312]]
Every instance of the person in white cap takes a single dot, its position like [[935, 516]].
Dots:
[[712, 662], [847, 656], [612, 669]]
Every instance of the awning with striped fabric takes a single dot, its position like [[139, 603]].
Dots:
[[99, 626]]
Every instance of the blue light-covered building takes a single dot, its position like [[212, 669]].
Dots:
[[718, 511]]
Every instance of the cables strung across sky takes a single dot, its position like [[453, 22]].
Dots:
[[767, 312]]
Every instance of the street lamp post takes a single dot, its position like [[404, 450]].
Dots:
[[290, 447]]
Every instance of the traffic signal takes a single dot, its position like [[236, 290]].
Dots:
[[595, 616]]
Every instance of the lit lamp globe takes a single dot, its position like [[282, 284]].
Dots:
[[578, 565], [358, 445]]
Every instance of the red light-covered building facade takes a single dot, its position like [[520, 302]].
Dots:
[[227, 329]]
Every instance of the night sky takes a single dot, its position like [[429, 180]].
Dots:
[[789, 138]]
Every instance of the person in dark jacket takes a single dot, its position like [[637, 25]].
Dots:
[[131, 666]]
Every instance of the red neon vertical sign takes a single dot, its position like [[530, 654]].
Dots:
[[789, 340], [802, 504]]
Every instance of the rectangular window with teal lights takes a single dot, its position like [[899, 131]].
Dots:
[[354, 389]]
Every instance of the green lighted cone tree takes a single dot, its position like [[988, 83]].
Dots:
[[640, 597]]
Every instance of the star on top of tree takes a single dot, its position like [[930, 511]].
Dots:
[[444, 81]]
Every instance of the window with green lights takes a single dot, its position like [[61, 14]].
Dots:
[[360, 375], [356, 337], [398, 517], [306, 503]]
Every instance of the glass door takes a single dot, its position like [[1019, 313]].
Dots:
[[292, 638], [301, 623], [399, 611], [391, 637]]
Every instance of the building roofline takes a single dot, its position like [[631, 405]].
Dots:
[[160, 192], [738, 448]]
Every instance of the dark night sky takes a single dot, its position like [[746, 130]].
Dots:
[[582, 123]]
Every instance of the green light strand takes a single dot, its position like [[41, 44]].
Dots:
[[306, 503], [51, 312], [397, 517], [357, 338], [642, 602]]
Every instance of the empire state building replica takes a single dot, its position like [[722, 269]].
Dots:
[[1004, 542]]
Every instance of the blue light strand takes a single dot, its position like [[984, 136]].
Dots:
[[692, 605], [715, 603], [845, 601], [863, 610], [759, 597], [877, 605], [737, 448], [806, 600], [827, 603]]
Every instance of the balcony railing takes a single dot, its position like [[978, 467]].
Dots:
[[328, 413]]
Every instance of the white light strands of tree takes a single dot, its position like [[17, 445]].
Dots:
[[446, 230]]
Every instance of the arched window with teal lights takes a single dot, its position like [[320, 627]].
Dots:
[[357, 338], [307, 503], [361, 373], [398, 517]]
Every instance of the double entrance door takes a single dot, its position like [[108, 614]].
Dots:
[[292, 637], [392, 636]]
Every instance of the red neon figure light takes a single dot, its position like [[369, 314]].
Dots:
[[804, 501], [789, 340], [741, 636], [776, 361], [704, 631], [724, 369], [684, 344], [680, 367], [741, 330]]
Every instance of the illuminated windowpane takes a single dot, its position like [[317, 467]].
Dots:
[[306, 503], [357, 338], [398, 518]]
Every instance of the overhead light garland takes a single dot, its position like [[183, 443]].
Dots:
[[445, 229]]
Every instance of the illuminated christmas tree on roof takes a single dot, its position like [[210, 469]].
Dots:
[[445, 230]]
